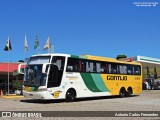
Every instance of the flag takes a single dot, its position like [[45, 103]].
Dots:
[[36, 42], [8, 46], [25, 44], [47, 45]]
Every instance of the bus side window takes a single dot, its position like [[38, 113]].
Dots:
[[59, 62], [107, 69], [69, 65], [103, 68], [69, 68], [98, 67], [92, 66], [80, 65], [137, 70], [114, 68], [130, 69], [123, 69], [83, 66], [74, 65]]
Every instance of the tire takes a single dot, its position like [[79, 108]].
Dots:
[[129, 93], [71, 95], [122, 93]]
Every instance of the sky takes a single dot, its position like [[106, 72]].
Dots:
[[96, 27]]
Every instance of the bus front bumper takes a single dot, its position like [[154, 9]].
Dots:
[[38, 95]]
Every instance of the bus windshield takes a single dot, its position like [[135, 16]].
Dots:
[[34, 76], [39, 60], [33, 71]]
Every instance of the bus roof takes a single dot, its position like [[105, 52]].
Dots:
[[91, 57], [51, 54], [109, 59]]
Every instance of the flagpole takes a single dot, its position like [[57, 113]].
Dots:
[[8, 73], [25, 47], [24, 55], [8, 47], [49, 50], [38, 50], [52, 50], [49, 46]]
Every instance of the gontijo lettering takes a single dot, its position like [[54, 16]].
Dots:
[[111, 77]]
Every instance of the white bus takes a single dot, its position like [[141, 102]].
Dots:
[[64, 76]]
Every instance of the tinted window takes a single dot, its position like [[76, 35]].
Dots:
[[74, 65], [93, 66]]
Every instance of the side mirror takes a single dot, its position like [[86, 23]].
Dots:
[[21, 68]]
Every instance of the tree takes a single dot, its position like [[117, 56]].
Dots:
[[121, 56], [16, 84]]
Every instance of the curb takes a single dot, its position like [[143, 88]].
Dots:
[[12, 96]]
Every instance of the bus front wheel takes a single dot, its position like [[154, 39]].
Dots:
[[71, 95]]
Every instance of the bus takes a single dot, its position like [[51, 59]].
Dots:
[[65, 76]]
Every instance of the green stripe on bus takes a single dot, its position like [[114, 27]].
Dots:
[[74, 56], [99, 82], [83, 57], [89, 82]]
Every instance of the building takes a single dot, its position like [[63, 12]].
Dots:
[[150, 66], [15, 78]]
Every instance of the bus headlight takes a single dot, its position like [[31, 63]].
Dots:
[[42, 89]]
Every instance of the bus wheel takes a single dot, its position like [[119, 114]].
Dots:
[[129, 92], [71, 95], [122, 92]]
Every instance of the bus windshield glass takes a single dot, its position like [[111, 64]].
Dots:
[[34, 76], [39, 60], [33, 71]]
